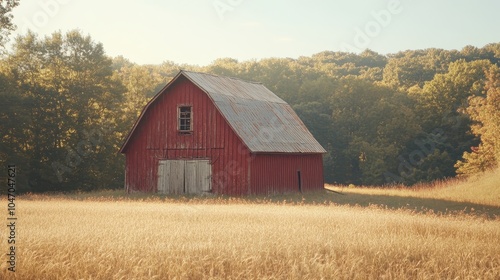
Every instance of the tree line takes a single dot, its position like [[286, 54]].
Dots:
[[410, 117]]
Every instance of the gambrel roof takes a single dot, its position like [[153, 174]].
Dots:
[[263, 121]]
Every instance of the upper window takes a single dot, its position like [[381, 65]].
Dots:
[[185, 119]]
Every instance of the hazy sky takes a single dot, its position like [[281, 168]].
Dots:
[[200, 31]]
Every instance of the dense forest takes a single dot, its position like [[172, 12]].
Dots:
[[410, 117]]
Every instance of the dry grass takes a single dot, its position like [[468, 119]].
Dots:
[[447, 230], [483, 189], [61, 238]]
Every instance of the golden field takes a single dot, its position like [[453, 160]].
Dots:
[[483, 189], [112, 236]]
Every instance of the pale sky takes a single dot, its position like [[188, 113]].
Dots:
[[200, 31]]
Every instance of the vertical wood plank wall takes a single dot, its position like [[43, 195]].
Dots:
[[234, 170], [277, 173], [157, 138]]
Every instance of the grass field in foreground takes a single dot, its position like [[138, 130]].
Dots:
[[61, 238], [448, 230]]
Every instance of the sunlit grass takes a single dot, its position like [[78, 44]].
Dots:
[[483, 189], [364, 233], [63, 238]]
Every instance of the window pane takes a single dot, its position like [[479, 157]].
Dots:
[[185, 118]]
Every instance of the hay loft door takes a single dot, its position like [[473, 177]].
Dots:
[[184, 176]]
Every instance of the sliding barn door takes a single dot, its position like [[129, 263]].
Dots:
[[184, 176]]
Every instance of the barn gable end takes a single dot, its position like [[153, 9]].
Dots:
[[237, 128]]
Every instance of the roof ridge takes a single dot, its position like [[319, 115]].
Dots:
[[222, 77]]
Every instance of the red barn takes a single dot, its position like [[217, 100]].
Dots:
[[205, 133]]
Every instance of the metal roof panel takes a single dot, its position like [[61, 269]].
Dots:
[[263, 121]]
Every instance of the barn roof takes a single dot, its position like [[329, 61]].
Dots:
[[262, 120]]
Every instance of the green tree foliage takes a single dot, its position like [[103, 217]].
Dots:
[[485, 112], [407, 117], [450, 91], [440, 110], [141, 84], [6, 25], [371, 125], [69, 123], [13, 149], [413, 68]]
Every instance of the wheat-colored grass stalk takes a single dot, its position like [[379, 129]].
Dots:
[[62, 238]]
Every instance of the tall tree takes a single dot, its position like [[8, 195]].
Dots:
[[13, 121], [6, 25], [141, 84], [371, 124], [446, 126], [70, 137], [485, 112]]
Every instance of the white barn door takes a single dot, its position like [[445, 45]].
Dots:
[[184, 176], [190, 177], [204, 175]]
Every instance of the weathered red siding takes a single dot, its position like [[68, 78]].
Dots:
[[276, 173], [235, 171], [157, 138]]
